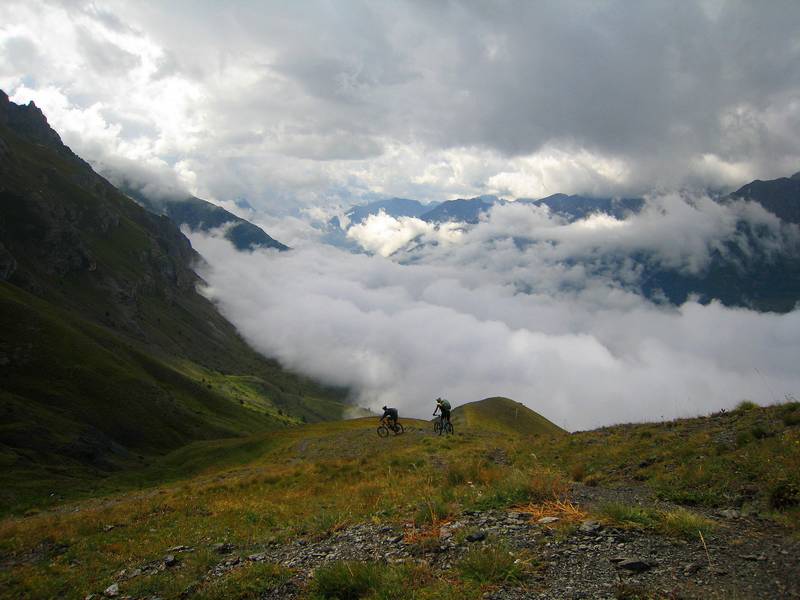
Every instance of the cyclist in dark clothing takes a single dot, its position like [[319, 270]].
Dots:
[[391, 413], [443, 406]]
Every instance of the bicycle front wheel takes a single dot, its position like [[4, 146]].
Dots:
[[437, 426], [383, 431]]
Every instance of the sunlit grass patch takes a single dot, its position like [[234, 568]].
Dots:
[[679, 522], [493, 563], [626, 515], [247, 583], [563, 510], [684, 524], [351, 580], [431, 510]]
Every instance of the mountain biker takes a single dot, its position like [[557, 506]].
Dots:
[[443, 406], [391, 413]]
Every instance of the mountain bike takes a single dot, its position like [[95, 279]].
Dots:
[[385, 427], [440, 426]]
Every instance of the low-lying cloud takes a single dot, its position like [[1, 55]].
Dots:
[[480, 314]]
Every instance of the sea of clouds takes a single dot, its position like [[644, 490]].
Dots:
[[524, 305]]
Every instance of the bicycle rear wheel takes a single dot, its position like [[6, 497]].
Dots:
[[448, 427], [383, 431], [398, 430]]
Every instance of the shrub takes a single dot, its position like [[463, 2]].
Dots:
[[345, 580], [592, 480], [783, 494], [627, 515], [461, 472], [247, 583], [759, 432], [790, 413], [546, 484], [492, 563], [326, 522], [746, 405], [684, 524], [430, 510], [577, 472]]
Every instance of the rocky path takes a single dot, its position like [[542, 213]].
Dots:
[[744, 558]]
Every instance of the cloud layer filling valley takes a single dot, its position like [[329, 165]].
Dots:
[[476, 314]]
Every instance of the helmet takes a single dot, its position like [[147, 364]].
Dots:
[[438, 400], [384, 408]]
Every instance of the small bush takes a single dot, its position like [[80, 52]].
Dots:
[[790, 414], [628, 516], [430, 511], [759, 432], [684, 524], [492, 563], [248, 583], [464, 471], [746, 405], [783, 495], [546, 484], [345, 580], [690, 497], [326, 522], [578, 472]]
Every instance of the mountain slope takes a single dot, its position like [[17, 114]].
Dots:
[[108, 355], [780, 196], [576, 207], [461, 210], [503, 415], [394, 207], [201, 215]]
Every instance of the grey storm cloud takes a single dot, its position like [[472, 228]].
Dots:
[[455, 322], [302, 103]]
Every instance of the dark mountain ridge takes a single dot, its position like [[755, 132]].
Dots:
[[201, 215], [394, 207], [108, 354], [779, 196]]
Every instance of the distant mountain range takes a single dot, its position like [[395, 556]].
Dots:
[[738, 275]]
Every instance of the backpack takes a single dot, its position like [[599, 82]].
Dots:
[[445, 404]]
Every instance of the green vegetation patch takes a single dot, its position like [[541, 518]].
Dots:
[[352, 580]]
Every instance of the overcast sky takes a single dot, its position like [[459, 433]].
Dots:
[[295, 104], [303, 108]]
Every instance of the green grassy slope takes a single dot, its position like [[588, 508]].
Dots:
[[309, 481], [109, 357], [79, 401], [503, 415]]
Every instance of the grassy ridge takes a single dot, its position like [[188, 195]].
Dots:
[[313, 479], [748, 457], [79, 401], [503, 415]]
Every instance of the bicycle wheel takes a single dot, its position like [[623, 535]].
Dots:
[[398, 429], [437, 426], [383, 431], [448, 427]]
